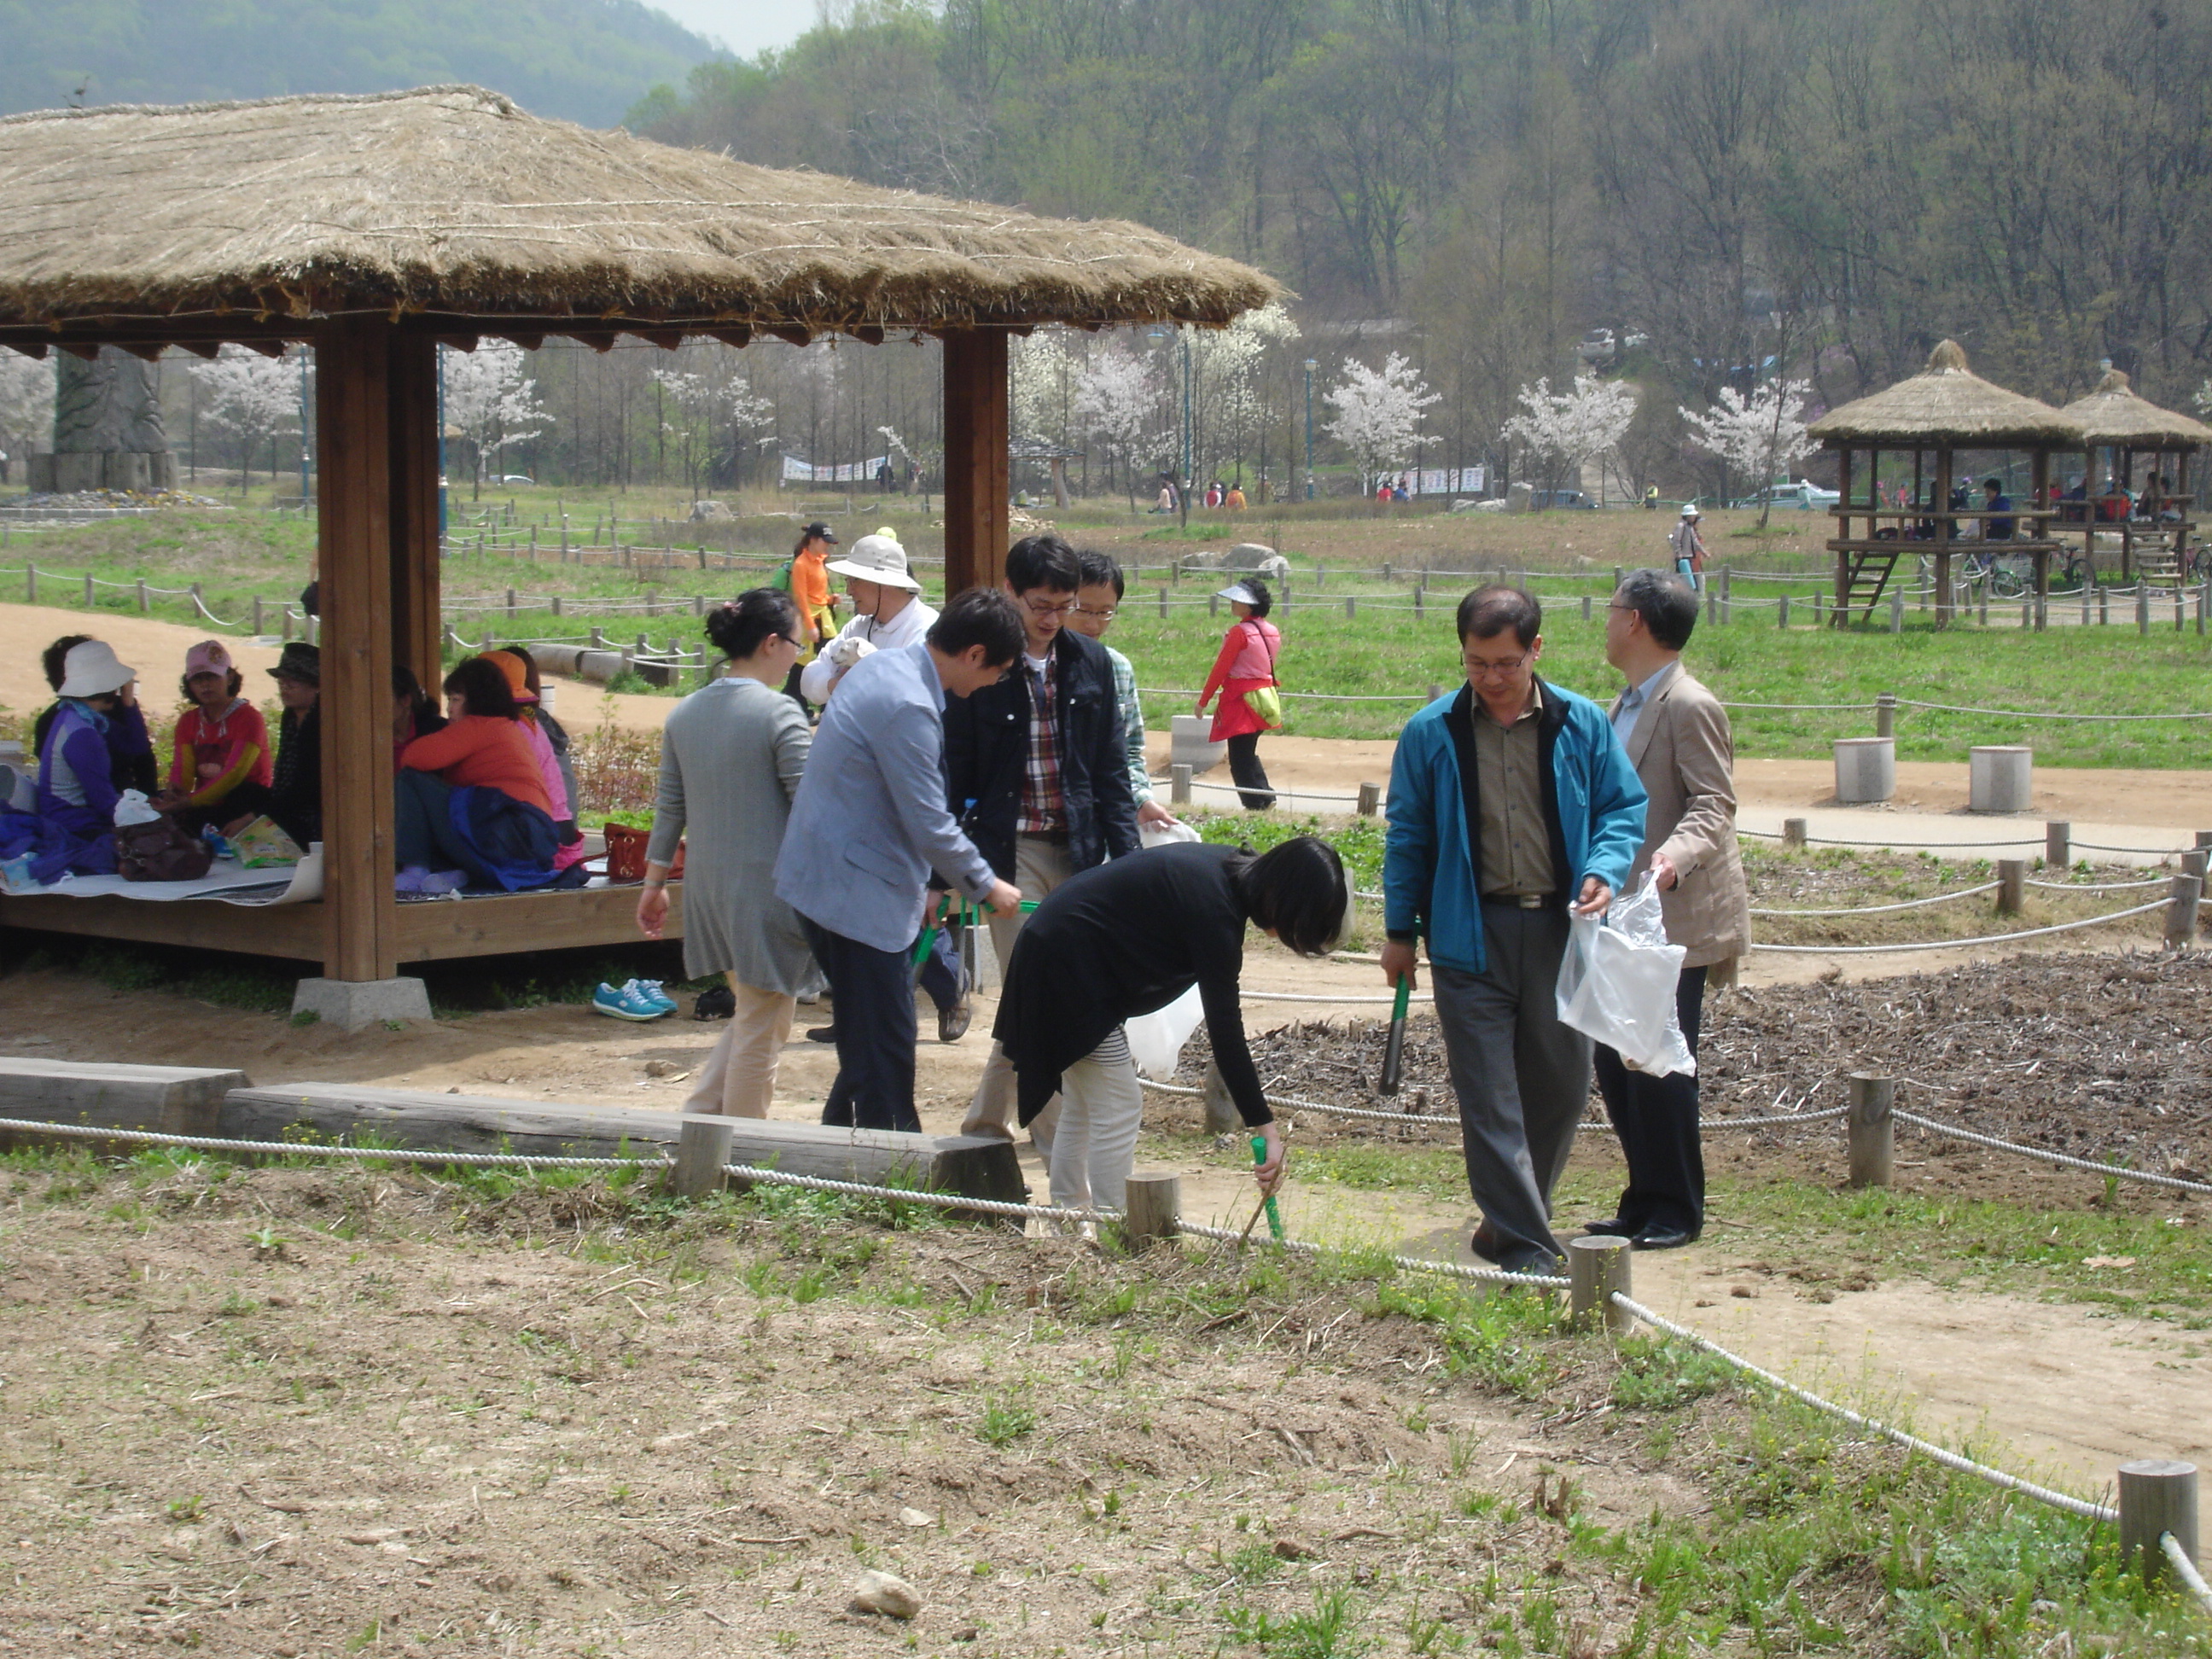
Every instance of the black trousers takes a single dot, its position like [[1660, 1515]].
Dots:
[[1246, 772], [873, 991], [1656, 1121]]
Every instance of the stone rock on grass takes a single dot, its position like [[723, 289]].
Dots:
[[886, 1593]]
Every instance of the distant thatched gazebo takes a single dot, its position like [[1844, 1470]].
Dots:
[[2154, 526], [1907, 439], [376, 228]]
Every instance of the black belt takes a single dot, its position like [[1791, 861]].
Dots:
[[1518, 901], [1057, 837]]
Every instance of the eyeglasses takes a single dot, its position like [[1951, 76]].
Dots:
[[1040, 610], [1476, 668], [1107, 614]]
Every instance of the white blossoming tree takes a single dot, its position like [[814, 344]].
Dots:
[[701, 403], [1758, 437], [255, 398], [491, 397], [27, 408], [1563, 429], [1378, 416], [1227, 386], [1117, 404]]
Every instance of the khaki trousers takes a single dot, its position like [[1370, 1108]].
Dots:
[[738, 1079], [1040, 865], [1102, 1107]]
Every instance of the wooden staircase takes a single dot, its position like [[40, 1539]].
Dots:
[[1869, 576]]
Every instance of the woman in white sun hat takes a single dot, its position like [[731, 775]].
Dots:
[[72, 827], [888, 611]]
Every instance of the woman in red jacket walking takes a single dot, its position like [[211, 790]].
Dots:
[[1246, 666]]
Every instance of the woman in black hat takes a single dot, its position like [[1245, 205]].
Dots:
[[294, 797]]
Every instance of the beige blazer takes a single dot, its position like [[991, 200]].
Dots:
[[1682, 750]]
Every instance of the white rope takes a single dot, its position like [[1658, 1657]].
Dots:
[[2094, 887], [1422, 998], [2038, 714], [1443, 1121], [1957, 944], [1951, 1460], [2186, 1570], [2119, 1171], [1414, 1263], [1872, 909], [293, 1149]]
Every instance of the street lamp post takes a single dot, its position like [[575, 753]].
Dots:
[[1183, 500], [1311, 365]]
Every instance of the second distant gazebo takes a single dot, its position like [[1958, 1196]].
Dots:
[[2153, 519], [1902, 488]]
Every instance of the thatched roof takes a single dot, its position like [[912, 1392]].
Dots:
[[452, 200], [1945, 403], [2115, 413]]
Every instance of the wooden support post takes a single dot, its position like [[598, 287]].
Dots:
[[1179, 785], [703, 1147], [2196, 860], [1781, 612], [354, 395], [145, 603], [1370, 799], [1793, 832], [2181, 907], [2104, 607], [418, 564], [1152, 1209], [977, 477], [2157, 1496], [2012, 885], [2058, 844], [1596, 1267], [1872, 1129], [1885, 714], [1435, 691]]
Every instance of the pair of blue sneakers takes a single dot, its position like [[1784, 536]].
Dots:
[[638, 999]]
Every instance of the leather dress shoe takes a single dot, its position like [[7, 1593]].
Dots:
[[823, 1034], [1612, 1228], [952, 1023], [1485, 1242], [1663, 1238]]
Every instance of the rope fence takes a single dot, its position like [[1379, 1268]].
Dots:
[[1955, 943]]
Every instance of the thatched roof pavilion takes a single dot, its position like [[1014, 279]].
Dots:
[[1933, 415], [376, 228], [2155, 529]]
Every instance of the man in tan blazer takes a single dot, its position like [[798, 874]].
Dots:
[[1677, 734]]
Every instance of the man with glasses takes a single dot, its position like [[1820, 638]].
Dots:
[[1096, 603], [1512, 806], [1036, 772]]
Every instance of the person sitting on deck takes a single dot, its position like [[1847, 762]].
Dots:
[[471, 804], [1996, 502], [71, 828], [413, 713], [293, 802], [221, 740], [521, 671], [129, 749]]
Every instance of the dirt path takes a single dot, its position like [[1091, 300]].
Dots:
[[155, 649]]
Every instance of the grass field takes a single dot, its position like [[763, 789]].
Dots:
[[1386, 649]]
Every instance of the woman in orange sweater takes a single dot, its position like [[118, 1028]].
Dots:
[[472, 808]]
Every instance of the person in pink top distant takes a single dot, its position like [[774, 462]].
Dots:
[[1246, 663], [221, 740]]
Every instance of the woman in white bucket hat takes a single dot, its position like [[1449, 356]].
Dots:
[[72, 827], [888, 611]]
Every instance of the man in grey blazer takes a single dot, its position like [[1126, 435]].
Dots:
[[868, 826], [1677, 738]]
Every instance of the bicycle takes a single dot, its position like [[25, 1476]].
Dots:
[[2000, 573]]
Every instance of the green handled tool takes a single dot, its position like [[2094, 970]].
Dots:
[[1393, 1052], [1267, 1203]]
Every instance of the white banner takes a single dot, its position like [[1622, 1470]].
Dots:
[[798, 471], [1449, 481]]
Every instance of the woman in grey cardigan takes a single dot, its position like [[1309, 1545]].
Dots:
[[730, 762]]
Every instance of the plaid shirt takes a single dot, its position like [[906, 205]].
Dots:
[[1044, 802], [1132, 725]]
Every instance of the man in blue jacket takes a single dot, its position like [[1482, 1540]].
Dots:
[[1512, 807]]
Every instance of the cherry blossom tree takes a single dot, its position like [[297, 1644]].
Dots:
[[702, 402], [491, 397], [253, 398], [1117, 402], [1563, 429], [1758, 436], [1378, 415]]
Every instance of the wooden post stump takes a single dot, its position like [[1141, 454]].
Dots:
[[1781, 612], [2058, 844], [1793, 832], [1885, 714], [2158, 1495], [1596, 1267], [2181, 907], [1370, 799], [703, 1147], [1179, 785], [1872, 1130], [2012, 884], [1152, 1209]]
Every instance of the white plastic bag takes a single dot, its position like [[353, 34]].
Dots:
[[1617, 984], [1156, 1039], [131, 808], [1165, 835]]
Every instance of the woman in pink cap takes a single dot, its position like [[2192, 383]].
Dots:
[[221, 739]]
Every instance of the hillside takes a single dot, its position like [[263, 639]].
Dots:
[[582, 60]]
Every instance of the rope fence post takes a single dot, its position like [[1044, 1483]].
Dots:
[[2012, 880], [145, 603], [1793, 833], [30, 582], [1152, 1209], [2058, 844], [1370, 799], [2196, 860], [1885, 714], [89, 599], [2143, 610], [2158, 1495], [1872, 1129], [1781, 612], [1896, 612], [2181, 912], [703, 1147], [1596, 1269], [256, 611], [1179, 785]]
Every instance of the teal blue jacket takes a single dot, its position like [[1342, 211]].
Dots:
[[1593, 809]]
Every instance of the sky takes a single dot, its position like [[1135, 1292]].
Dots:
[[746, 27]]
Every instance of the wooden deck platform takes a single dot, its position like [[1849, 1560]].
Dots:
[[435, 931]]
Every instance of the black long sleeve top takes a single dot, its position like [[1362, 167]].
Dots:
[[1127, 939]]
